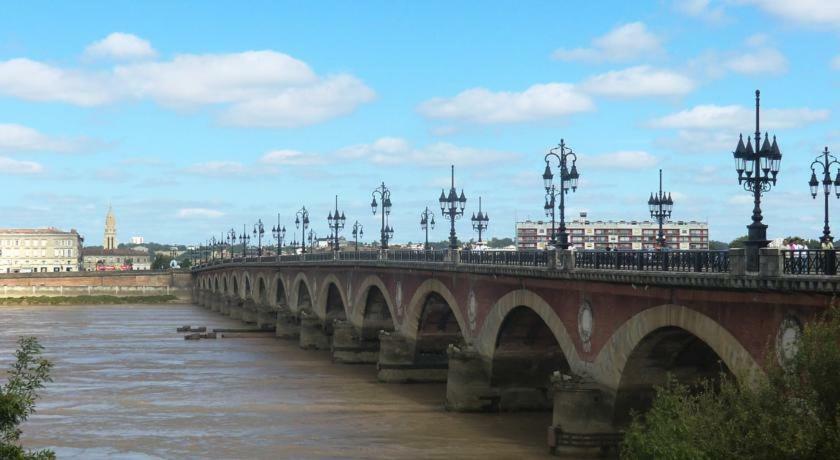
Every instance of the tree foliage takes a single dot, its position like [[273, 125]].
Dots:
[[495, 243], [738, 242], [717, 245], [27, 375], [793, 413]]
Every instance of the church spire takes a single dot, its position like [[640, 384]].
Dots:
[[110, 240]]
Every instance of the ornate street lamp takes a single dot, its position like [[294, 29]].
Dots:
[[245, 239], [452, 208], [480, 220], [386, 232], [336, 223], [259, 231], [757, 170], [358, 232], [660, 209], [427, 219], [568, 180], [825, 161], [550, 205], [279, 234], [302, 222], [231, 241], [313, 239]]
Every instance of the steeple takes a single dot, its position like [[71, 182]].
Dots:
[[110, 240]]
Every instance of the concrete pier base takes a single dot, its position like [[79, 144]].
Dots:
[[582, 422], [235, 311], [348, 347], [215, 304], [287, 325], [397, 362], [468, 382], [266, 319], [312, 333], [249, 315]]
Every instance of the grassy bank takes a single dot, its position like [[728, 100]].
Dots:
[[86, 300]]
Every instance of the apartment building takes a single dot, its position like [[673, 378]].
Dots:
[[28, 250]]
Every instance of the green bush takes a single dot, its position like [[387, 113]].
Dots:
[[793, 413]]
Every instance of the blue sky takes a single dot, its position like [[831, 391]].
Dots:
[[195, 117]]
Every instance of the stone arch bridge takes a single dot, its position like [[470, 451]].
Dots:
[[589, 344]]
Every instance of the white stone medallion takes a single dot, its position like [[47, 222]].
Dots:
[[472, 310], [585, 324], [787, 340]]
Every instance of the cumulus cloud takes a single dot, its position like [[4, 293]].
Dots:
[[701, 9], [624, 43], [289, 158], [198, 213], [639, 81], [757, 57], [807, 12], [835, 63], [216, 168], [721, 116], [621, 160], [15, 138], [252, 88], [120, 45], [479, 105], [12, 166], [396, 151]]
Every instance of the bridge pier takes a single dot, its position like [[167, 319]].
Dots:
[[235, 308], [266, 317], [287, 325], [350, 347], [468, 382], [216, 302], [582, 423], [313, 335], [249, 312], [399, 363]]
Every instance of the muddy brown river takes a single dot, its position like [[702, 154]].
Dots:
[[127, 386]]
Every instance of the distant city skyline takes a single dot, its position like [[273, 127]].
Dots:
[[192, 118]]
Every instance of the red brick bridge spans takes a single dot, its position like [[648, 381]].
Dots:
[[526, 334]]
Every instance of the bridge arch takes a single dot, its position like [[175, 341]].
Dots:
[[279, 296], [360, 303], [262, 291], [417, 304], [216, 284], [224, 284], [302, 293], [235, 285], [248, 291], [331, 299]]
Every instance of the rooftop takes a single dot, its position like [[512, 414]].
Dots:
[[36, 231]]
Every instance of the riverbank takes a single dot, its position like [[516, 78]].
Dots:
[[122, 285], [90, 300]]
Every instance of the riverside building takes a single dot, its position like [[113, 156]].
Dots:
[[618, 235], [41, 250]]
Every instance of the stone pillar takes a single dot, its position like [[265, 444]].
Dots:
[[564, 259], [582, 422], [398, 362], [266, 318], [224, 305], [468, 382], [288, 325], [770, 262], [312, 334], [737, 262], [349, 347]]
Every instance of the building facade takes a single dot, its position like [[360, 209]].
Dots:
[[41, 250], [95, 259], [617, 235]]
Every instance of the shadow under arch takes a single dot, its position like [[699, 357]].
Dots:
[[303, 293], [376, 314], [417, 306], [359, 303], [280, 297], [262, 291], [216, 284], [436, 326], [331, 300]]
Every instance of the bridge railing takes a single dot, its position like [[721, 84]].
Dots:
[[810, 262], [518, 258], [415, 255], [672, 261], [358, 255]]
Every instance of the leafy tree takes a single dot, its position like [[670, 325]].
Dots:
[[793, 413], [161, 262], [738, 242], [499, 242], [27, 375], [717, 245]]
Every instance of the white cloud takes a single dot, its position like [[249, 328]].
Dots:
[[18, 138], [198, 213], [621, 160], [12, 166], [120, 45], [639, 81], [252, 88], [808, 12], [216, 168], [624, 43], [479, 105], [760, 61], [701, 9], [700, 141], [735, 116], [835, 63], [289, 158], [398, 151]]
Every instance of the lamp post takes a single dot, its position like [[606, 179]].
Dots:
[[480, 221], [660, 209], [826, 161], [231, 241], [358, 232], [757, 170], [427, 219], [245, 239], [551, 194], [452, 208], [336, 223], [259, 231], [279, 234], [568, 180], [386, 232], [302, 222], [313, 238]]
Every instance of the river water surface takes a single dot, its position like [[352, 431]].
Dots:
[[127, 386]]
